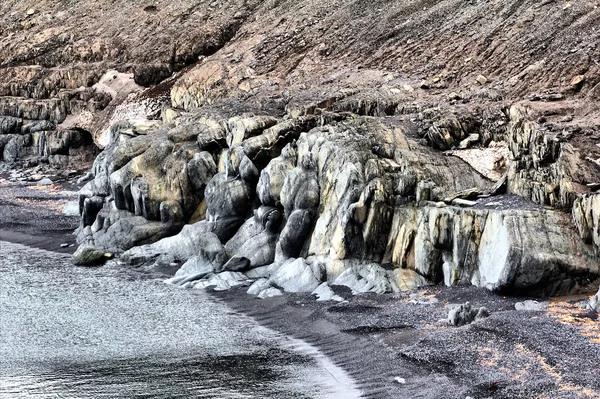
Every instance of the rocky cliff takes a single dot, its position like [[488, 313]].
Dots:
[[380, 146]]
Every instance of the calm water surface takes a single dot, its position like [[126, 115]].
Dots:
[[72, 332]]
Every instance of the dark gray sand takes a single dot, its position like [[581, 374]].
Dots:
[[376, 338], [107, 332], [31, 214]]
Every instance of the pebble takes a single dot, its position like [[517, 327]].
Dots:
[[482, 79], [400, 380], [64, 245], [531, 305], [44, 182]]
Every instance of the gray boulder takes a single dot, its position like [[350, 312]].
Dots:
[[466, 314], [193, 240], [88, 255], [270, 293], [254, 243], [297, 275], [222, 281], [71, 208], [324, 293], [365, 278], [195, 268], [258, 286]]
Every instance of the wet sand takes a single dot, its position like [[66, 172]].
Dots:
[[31, 214], [108, 332]]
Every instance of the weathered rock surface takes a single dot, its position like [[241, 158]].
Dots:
[[352, 195], [360, 141], [594, 303], [466, 314], [88, 255]]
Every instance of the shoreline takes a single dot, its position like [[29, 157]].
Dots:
[[32, 213], [379, 340], [108, 332]]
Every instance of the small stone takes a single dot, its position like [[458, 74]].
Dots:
[[492, 204], [400, 380], [270, 292], [44, 182], [577, 80], [482, 79], [466, 143], [64, 245], [454, 96], [408, 88], [31, 11], [88, 255], [466, 314], [424, 85]]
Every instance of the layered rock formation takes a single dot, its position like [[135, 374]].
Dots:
[[337, 197], [295, 144]]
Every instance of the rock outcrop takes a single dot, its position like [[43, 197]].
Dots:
[[341, 199], [303, 144]]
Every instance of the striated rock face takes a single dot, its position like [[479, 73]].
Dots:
[[381, 148], [546, 163], [341, 199], [586, 215]]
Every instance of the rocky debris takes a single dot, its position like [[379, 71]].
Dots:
[[88, 255], [466, 314], [193, 240]]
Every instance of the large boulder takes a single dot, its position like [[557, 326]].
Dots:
[[195, 239], [254, 243], [365, 278], [298, 275], [88, 255]]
